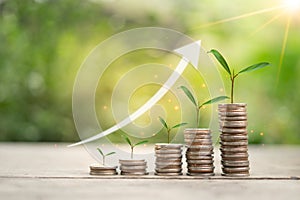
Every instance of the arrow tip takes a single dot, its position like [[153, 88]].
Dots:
[[191, 52]]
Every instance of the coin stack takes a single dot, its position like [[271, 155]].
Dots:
[[168, 159], [234, 139], [133, 167], [199, 154], [101, 170]]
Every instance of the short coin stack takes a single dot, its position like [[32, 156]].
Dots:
[[199, 154], [168, 159], [133, 167], [101, 170], [234, 139]]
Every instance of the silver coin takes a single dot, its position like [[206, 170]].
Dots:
[[210, 157], [168, 146], [232, 114], [235, 163], [200, 174], [164, 164], [233, 118], [232, 109], [168, 156], [228, 138], [196, 157], [201, 162], [241, 131], [235, 150], [101, 167], [229, 170], [198, 142], [231, 105], [189, 137], [244, 174], [233, 124], [168, 151], [241, 143], [238, 155], [132, 162], [167, 174], [134, 173], [201, 147], [201, 169], [103, 173], [132, 168], [169, 160], [163, 170], [197, 130]]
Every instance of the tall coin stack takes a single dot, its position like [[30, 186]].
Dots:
[[234, 139], [133, 167], [168, 159], [199, 153], [101, 170]]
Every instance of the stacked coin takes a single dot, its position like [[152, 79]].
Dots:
[[133, 167], [101, 170], [199, 154], [234, 139], [168, 159]]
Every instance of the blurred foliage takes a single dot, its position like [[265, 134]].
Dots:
[[44, 42]]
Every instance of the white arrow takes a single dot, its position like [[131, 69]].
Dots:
[[190, 53]]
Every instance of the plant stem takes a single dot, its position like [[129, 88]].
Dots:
[[232, 87], [131, 152], [103, 160], [197, 116]]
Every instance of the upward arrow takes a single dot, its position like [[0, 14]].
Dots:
[[190, 53]]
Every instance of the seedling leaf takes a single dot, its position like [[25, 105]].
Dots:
[[111, 153], [127, 140], [100, 151], [141, 142], [214, 100], [221, 60], [254, 67], [178, 125], [163, 122], [189, 94]]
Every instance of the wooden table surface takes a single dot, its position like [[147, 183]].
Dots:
[[53, 171]]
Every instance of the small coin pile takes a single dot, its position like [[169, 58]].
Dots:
[[168, 159], [234, 139], [199, 153], [101, 170], [133, 167]]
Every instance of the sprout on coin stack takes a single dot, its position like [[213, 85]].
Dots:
[[97, 169], [133, 167], [199, 154], [233, 126], [168, 156]]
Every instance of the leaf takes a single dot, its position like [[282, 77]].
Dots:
[[178, 125], [189, 95], [221, 60], [214, 100], [111, 153], [254, 67], [127, 140], [163, 122], [100, 151], [141, 142]]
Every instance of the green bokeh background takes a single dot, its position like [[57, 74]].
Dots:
[[44, 42]]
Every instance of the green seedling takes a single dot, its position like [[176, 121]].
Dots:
[[168, 128], [133, 145], [197, 104], [231, 72], [104, 155]]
